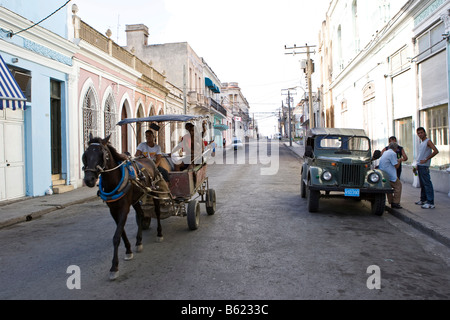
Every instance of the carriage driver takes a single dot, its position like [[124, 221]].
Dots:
[[151, 150]]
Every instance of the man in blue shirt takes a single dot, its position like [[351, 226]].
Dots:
[[389, 164]]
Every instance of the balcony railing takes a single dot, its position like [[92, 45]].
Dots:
[[217, 106], [105, 44]]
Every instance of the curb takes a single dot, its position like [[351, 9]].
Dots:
[[426, 228]]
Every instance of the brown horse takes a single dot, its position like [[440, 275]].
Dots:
[[119, 191]]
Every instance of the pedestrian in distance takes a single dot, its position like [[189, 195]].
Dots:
[[390, 163], [427, 151], [401, 154]]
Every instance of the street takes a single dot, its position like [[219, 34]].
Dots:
[[261, 244]]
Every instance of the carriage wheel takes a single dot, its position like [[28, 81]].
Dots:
[[211, 202], [193, 214]]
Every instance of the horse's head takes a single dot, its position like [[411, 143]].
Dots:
[[94, 159]]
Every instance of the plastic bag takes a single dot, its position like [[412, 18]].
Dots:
[[416, 181]]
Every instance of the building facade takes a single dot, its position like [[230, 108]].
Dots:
[[35, 142], [235, 101], [113, 84], [385, 63]]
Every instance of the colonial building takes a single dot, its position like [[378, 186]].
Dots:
[[114, 84], [219, 114], [185, 69], [35, 140], [384, 68], [234, 100]]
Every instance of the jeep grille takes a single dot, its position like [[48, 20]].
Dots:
[[351, 175]]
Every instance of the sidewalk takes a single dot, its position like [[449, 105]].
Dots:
[[433, 222], [26, 209]]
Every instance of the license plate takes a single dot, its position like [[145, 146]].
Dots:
[[352, 193]]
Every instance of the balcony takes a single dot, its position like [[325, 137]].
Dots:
[[218, 107], [196, 99]]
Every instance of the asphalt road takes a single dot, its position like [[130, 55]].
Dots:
[[261, 244]]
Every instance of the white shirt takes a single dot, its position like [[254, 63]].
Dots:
[[149, 152], [388, 161]]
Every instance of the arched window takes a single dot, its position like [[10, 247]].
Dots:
[[110, 118], [90, 116]]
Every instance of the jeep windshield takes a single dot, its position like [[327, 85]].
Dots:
[[343, 144]]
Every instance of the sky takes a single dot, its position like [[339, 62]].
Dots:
[[241, 40]]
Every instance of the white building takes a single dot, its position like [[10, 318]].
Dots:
[[384, 69]]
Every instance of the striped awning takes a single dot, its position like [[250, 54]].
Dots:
[[11, 96]]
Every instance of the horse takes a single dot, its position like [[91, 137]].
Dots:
[[120, 191]]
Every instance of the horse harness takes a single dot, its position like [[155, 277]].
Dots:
[[133, 173]]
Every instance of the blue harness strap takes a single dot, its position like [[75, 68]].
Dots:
[[122, 188]]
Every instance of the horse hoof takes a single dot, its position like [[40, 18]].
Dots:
[[129, 257], [139, 248], [159, 239], [113, 275]]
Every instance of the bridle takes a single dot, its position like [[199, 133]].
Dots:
[[99, 169]]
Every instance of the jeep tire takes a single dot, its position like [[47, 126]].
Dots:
[[313, 199], [379, 204], [302, 188]]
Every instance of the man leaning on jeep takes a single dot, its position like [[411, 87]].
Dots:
[[389, 163]]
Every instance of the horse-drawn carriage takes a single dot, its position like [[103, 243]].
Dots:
[[125, 181], [188, 188]]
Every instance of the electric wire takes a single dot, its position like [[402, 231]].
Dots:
[[11, 34]]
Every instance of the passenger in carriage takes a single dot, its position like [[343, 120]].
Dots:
[[191, 144], [151, 150]]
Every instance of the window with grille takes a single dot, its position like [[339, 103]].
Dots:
[[90, 117], [110, 118]]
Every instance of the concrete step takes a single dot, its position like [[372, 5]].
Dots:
[[62, 189], [59, 182]]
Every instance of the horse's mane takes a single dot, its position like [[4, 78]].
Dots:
[[118, 157]]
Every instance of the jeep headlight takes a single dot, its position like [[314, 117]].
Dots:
[[327, 176], [373, 177]]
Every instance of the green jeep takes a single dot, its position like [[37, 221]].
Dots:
[[338, 162]]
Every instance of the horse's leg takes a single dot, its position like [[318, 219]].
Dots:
[[158, 217], [129, 252], [120, 219], [139, 219]]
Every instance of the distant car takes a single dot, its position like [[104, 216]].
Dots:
[[237, 144], [277, 136]]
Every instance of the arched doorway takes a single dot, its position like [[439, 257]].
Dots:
[[124, 129]]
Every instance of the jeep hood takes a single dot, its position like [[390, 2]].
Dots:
[[347, 160]]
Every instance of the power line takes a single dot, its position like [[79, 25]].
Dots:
[[11, 34]]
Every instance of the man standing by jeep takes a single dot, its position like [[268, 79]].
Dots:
[[389, 163], [427, 150]]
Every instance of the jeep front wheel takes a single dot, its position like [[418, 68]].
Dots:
[[313, 199], [379, 204], [302, 188]]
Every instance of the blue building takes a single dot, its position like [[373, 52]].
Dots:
[[34, 140]]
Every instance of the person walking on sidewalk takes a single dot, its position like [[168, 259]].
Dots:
[[389, 163], [427, 150]]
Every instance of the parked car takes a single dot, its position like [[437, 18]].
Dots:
[[237, 143], [340, 161]]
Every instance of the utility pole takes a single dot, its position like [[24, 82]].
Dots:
[[290, 121], [309, 72], [184, 89]]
